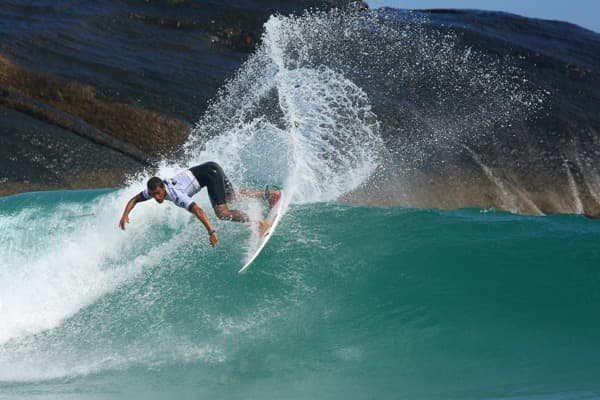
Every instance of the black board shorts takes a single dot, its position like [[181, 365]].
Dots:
[[211, 176]]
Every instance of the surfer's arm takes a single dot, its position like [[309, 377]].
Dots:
[[130, 204], [201, 215]]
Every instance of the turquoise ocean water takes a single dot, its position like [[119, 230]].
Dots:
[[345, 302]]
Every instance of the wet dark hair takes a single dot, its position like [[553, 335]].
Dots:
[[154, 183]]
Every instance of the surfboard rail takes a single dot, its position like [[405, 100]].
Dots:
[[273, 218]]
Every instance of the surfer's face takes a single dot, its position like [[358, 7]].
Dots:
[[159, 194]]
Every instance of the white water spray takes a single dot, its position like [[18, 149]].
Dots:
[[284, 121]]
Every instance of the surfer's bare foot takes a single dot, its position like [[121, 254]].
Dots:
[[274, 198], [263, 225]]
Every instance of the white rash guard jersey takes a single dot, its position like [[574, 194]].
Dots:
[[180, 189]]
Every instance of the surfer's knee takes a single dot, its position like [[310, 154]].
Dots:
[[226, 214], [223, 212]]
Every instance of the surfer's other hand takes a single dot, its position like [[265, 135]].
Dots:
[[214, 240], [124, 220]]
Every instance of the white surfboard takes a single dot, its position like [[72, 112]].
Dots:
[[273, 217]]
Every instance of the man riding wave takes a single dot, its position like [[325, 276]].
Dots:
[[180, 188]]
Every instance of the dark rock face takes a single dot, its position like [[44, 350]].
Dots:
[[476, 109], [70, 105], [93, 92], [39, 156], [539, 158]]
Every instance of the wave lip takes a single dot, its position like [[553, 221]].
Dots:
[[286, 120]]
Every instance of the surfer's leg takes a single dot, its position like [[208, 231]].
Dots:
[[220, 191], [229, 192], [269, 195], [223, 212], [254, 193]]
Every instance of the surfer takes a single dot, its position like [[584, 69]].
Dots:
[[180, 189]]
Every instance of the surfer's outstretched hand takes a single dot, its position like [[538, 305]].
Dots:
[[124, 220], [214, 240]]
